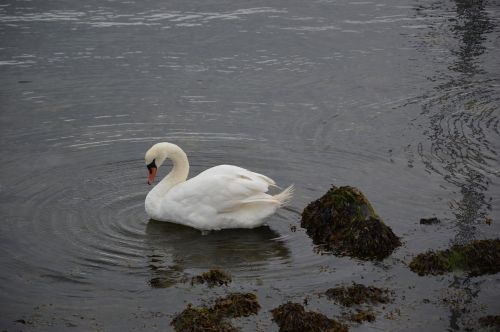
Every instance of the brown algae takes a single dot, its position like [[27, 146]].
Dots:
[[429, 221], [344, 221], [358, 294], [362, 316], [213, 319], [237, 305], [214, 277], [476, 258], [200, 320], [291, 317], [490, 321]]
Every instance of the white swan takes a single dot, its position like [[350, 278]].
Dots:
[[221, 197]]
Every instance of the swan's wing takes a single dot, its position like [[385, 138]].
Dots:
[[223, 189]]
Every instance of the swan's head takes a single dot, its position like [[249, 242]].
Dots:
[[154, 158]]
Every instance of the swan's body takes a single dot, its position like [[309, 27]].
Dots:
[[221, 197]]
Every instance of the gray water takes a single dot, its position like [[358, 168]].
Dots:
[[399, 98]]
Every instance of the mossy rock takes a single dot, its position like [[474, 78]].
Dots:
[[200, 320], [237, 305], [292, 317], [212, 278], [476, 258], [344, 221], [358, 294]]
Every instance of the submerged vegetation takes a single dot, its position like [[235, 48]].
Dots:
[[358, 294], [212, 278], [292, 317], [362, 316], [429, 221], [490, 321], [344, 221], [237, 305], [214, 318], [200, 320], [476, 258]]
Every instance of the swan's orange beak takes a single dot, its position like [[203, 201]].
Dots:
[[152, 174]]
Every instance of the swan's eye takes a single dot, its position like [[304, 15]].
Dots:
[[152, 165]]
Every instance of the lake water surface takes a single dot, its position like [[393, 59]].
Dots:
[[400, 98]]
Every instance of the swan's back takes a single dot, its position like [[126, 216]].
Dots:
[[224, 196]]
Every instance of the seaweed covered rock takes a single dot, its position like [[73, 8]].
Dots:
[[291, 317], [358, 294], [344, 221], [212, 278], [476, 258], [237, 305], [200, 320], [213, 319]]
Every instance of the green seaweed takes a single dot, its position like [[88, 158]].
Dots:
[[476, 258], [358, 294], [291, 317], [344, 221], [214, 277]]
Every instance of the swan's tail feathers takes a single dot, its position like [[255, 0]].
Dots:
[[285, 196]]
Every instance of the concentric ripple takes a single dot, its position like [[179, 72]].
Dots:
[[397, 98]]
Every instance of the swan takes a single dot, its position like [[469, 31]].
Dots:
[[220, 197]]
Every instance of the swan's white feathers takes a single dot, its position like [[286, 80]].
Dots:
[[222, 188], [224, 196]]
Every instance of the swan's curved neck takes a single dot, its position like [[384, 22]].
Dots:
[[180, 169]]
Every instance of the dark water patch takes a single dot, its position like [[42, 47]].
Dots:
[[429, 221], [229, 249], [462, 112]]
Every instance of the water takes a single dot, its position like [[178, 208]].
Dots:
[[398, 98]]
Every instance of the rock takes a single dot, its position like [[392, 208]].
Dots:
[[291, 317], [476, 258], [429, 221], [358, 294], [344, 221]]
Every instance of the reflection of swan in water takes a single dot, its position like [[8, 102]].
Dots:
[[175, 248]]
